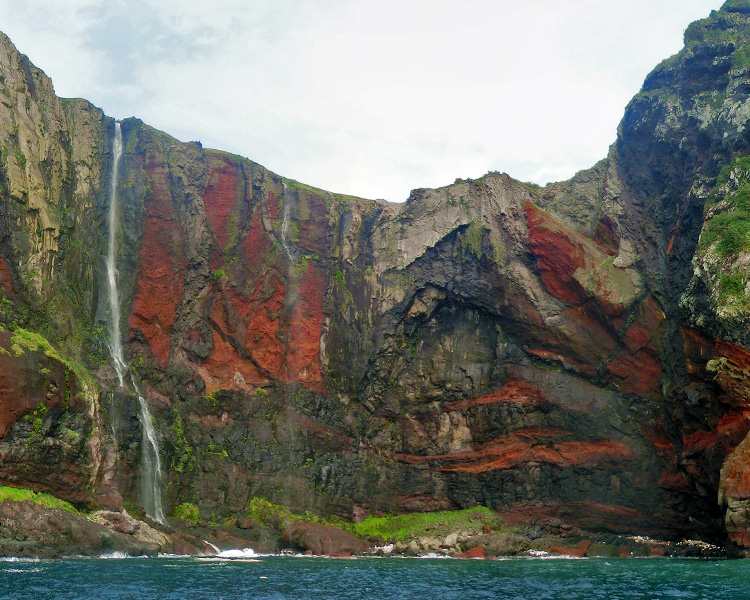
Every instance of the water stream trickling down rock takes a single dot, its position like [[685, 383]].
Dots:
[[150, 475]]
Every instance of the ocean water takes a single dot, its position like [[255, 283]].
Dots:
[[280, 578]]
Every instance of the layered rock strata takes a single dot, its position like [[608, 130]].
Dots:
[[578, 349]]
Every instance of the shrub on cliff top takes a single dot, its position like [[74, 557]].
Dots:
[[20, 494], [741, 6]]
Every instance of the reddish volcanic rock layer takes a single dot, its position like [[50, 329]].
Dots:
[[518, 392], [6, 283], [560, 252], [524, 447], [162, 265]]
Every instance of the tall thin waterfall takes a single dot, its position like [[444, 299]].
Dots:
[[151, 493], [285, 224], [115, 341]]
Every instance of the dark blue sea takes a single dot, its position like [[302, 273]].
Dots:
[[364, 578]]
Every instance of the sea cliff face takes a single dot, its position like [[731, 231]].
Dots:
[[578, 350]]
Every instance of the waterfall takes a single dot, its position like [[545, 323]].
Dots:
[[285, 224], [115, 342], [151, 494]]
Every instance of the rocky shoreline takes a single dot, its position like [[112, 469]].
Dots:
[[30, 530]]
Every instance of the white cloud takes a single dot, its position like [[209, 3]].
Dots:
[[373, 97]]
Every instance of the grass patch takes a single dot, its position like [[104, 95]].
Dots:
[[22, 340], [402, 528], [340, 198], [730, 228], [20, 494], [389, 528], [732, 288]]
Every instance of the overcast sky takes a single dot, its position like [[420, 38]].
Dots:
[[365, 97]]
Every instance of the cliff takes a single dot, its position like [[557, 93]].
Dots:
[[578, 350]]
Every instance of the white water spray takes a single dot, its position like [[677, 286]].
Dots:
[[151, 495]]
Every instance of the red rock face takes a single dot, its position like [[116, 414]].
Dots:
[[221, 203], [32, 386], [267, 312], [161, 264], [30, 379], [246, 345], [6, 283], [736, 474], [590, 333], [559, 252], [733, 373], [304, 326]]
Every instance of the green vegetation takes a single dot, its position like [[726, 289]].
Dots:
[[340, 278], [741, 57], [37, 417], [213, 399], [22, 340], [730, 228], [433, 524], [218, 274], [183, 458], [339, 198], [726, 234], [232, 231], [214, 450], [471, 238], [731, 287], [187, 511], [389, 528], [695, 32], [266, 513], [732, 231], [720, 27], [20, 159], [737, 6], [20, 494]]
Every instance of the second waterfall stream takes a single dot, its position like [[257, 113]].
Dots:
[[151, 496]]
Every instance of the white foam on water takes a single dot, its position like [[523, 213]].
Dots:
[[20, 559], [237, 553], [116, 555]]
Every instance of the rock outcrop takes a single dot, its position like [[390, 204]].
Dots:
[[324, 540], [579, 349], [28, 529]]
